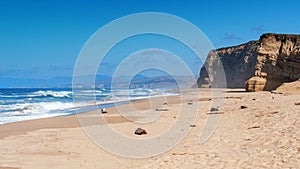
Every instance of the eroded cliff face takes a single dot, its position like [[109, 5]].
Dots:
[[238, 64], [257, 65], [278, 60]]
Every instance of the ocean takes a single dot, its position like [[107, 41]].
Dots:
[[35, 103]]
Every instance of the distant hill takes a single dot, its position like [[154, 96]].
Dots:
[[140, 81], [101, 81]]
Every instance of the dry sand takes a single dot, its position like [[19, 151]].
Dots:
[[263, 134]]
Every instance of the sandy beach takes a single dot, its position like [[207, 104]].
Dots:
[[149, 84], [256, 130]]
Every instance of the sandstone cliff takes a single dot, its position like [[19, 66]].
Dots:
[[257, 65], [289, 88]]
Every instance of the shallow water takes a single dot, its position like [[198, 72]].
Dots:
[[34, 103]]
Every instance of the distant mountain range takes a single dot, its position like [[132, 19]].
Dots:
[[101, 81]]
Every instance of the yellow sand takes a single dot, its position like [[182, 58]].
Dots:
[[265, 134]]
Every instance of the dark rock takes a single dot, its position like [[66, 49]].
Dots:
[[244, 107], [103, 111], [140, 131], [213, 109], [192, 125]]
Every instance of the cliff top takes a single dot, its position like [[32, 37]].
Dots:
[[279, 36]]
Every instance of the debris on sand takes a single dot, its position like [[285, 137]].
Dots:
[[266, 114], [215, 112], [140, 131], [179, 154], [244, 107], [204, 99], [161, 109], [213, 109], [103, 111], [254, 127]]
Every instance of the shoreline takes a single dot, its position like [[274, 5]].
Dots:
[[55, 107], [264, 133], [13, 128]]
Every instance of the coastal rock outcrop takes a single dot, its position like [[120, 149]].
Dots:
[[257, 65], [289, 88]]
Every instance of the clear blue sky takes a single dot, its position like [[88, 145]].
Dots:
[[43, 38]]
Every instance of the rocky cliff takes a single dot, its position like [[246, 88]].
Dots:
[[257, 65]]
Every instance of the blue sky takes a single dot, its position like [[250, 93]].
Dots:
[[42, 39]]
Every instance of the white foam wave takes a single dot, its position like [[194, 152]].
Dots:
[[35, 108], [53, 93], [25, 109], [91, 91], [8, 96]]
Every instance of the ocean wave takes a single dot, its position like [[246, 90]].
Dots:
[[91, 91], [40, 93], [21, 117], [25, 109], [90, 94], [9, 96], [51, 93], [39, 103]]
